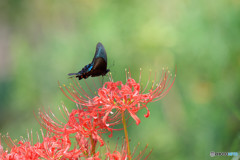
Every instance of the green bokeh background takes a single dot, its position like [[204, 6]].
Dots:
[[41, 41]]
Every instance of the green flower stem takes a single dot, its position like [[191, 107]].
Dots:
[[93, 145], [126, 135]]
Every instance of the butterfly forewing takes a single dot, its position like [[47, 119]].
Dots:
[[100, 52]]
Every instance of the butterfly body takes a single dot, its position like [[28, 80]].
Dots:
[[98, 66]]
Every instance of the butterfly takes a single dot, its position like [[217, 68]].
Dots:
[[98, 66]]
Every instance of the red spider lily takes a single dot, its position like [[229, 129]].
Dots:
[[52, 147], [23, 150], [116, 95], [56, 147], [122, 153], [85, 122], [128, 97]]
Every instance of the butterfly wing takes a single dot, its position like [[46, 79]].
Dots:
[[99, 61], [100, 52], [97, 67], [84, 73]]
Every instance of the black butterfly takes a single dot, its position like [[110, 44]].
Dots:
[[98, 66]]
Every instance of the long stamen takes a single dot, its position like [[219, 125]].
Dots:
[[79, 88], [110, 77], [129, 73], [84, 93], [88, 87], [147, 81], [126, 74], [140, 75], [94, 86]]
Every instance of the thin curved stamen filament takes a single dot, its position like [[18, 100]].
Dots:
[[88, 87], [147, 82], [79, 86]]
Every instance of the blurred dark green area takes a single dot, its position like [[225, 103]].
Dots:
[[42, 41]]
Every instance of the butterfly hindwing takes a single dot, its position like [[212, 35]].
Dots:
[[99, 67], [86, 69]]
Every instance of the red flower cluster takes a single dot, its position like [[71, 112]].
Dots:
[[52, 147], [120, 97], [93, 117]]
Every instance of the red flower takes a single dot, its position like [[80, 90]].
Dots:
[[85, 121], [116, 95], [52, 147], [120, 153], [87, 124], [56, 147], [23, 150]]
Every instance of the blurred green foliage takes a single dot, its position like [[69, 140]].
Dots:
[[41, 41]]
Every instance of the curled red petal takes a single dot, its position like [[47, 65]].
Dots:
[[135, 117]]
